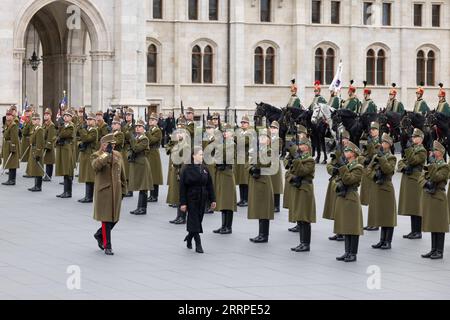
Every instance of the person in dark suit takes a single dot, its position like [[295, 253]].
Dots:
[[169, 126], [162, 127], [196, 189]]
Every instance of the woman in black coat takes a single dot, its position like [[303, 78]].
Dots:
[[196, 189]]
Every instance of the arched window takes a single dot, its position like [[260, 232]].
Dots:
[[381, 68], [208, 65], [329, 66], [319, 65], [270, 65], [152, 64], [420, 66], [430, 68], [259, 65], [370, 67], [196, 65]]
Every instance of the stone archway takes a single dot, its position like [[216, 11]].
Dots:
[[65, 50]]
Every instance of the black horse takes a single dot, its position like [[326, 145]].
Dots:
[[355, 124], [268, 111], [410, 121], [439, 125], [390, 124]]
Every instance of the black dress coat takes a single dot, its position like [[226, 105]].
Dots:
[[196, 189]]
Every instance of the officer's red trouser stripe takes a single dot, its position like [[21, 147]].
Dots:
[[105, 241]]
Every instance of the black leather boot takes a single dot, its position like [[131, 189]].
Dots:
[[224, 220], [228, 222], [369, 228], [439, 252], [406, 236], [188, 240], [245, 204], [306, 239], [182, 219], [49, 172], [260, 233], [198, 243], [388, 238], [154, 194], [67, 188], [301, 235], [416, 222], [142, 204], [353, 249], [265, 224], [11, 178], [177, 217], [347, 248], [382, 239], [296, 228], [241, 195], [36, 187], [89, 193], [276, 198], [433, 246]]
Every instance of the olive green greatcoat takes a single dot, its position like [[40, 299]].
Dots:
[[64, 151], [173, 178], [77, 124], [211, 167], [37, 144], [102, 129], [25, 145], [330, 198], [382, 203], [154, 136], [410, 190], [366, 182], [119, 137], [109, 187], [241, 169], [277, 180], [11, 146], [434, 207], [128, 131], [225, 187], [303, 203], [288, 188], [260, 193], [50, 139], [348, 219], [140, 174], [89, 137]]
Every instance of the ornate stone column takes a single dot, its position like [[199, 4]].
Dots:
[[75, 65]]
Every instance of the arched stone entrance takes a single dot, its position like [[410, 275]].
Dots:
[[76, 51]]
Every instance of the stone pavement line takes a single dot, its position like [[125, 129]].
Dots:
[[41, 236]]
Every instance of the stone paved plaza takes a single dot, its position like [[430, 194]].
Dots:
[[41, 236]]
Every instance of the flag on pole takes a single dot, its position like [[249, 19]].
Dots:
[[25, 104], [336, 85], [63, 103]]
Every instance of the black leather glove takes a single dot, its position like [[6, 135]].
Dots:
[[37, 158], [333, 156], [335, 171]]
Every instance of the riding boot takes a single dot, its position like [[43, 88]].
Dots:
[[306, 237], [406, 236], [67, 188], [39, 183], [382, 239], [260, 233], [417, 227], [156, 192], [439, 252], [228, 222], [241, 195], [142, 203], [182, 218], [301, 235], [353, 249], [388, 238], [198, 243], [265, 224], [177, 217], [347, 248], [224, 220], [246, 195], [11, 178], [49, 173], [188, 240], [433, 246], [277, 203]]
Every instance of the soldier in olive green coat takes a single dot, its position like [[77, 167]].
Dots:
[[154, 136], [10, 148], [64, 154], [102, 126], [382, 204], [370, 149], [119, 138], [110, 188], [333, 171], [140, 173], [303, 206], [348, 218], [240, 169], [410, 191], [50, 140], [277, 179], [225, 188], [128, 130], [260, 200], [27, 130], [434, 205], [209, 145], [35, 168], [89, 144]]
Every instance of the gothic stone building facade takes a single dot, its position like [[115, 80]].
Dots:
[[217, 53]]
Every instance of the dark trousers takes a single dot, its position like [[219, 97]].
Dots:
[[416, 224], [49, 170], [105, 233]]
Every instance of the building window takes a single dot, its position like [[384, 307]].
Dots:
[[264, 65], [420, 66], [329, 66], [367, 14], [193, 9], [208, 65], [266, 7], [370, 67], [319, 65], [381, 67], [315, 12], [387, 14], [430, 68], [196, 65], [157, 9], [335, 12], [436, 18], [213, 10], [259, 65], [270, 66], [418, 15], [152, 64]]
